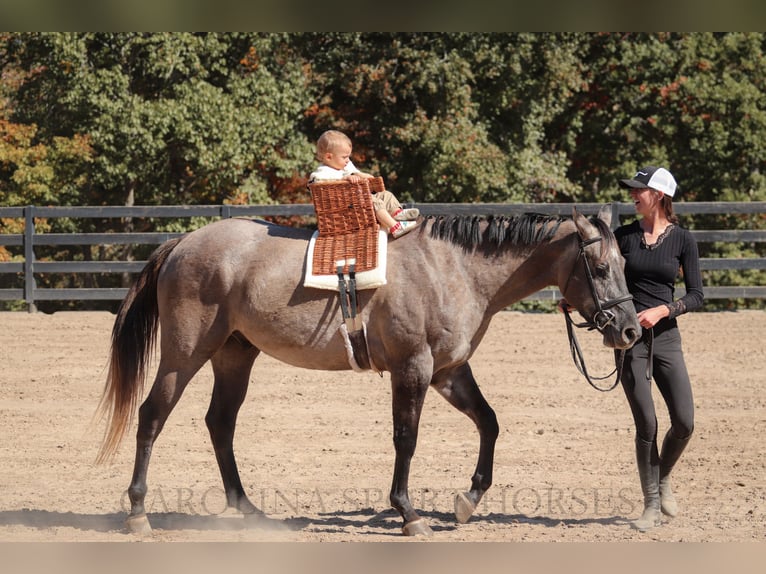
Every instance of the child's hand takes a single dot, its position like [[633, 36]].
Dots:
[[354, 178]]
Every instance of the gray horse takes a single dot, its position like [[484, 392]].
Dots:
[[234, 288]]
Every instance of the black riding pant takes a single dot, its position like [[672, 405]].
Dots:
[[670, 374]]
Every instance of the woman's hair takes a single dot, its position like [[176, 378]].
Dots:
[[667, 205], [330, 140]]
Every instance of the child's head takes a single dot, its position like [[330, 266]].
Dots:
[[334, 149]]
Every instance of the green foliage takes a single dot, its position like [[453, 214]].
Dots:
[[183, 118], [172, 118], [205, 118]]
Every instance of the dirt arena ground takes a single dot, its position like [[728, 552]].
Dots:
[[315, 449]]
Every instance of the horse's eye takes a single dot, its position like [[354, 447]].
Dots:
[[602, 269]]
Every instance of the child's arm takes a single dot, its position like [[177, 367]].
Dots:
[[358, 176], [354, 175]]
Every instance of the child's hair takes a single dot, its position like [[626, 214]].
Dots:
[[329, 141]]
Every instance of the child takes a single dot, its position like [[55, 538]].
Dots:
[[334, 152]]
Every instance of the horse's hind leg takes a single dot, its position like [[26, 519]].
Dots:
[[231, 366], [460, 389], [168, 386]]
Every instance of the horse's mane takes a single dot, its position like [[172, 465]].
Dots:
[[526, 230], [469, 232]]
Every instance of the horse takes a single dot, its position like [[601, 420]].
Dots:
[[233, 289]]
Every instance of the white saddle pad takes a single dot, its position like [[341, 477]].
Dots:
[[364, 279]]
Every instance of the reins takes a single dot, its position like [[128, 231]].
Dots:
[[579, 360], [601, 318]]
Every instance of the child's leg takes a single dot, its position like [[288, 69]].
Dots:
[[410, 214], [388, 200], [380, 205], [392, 205], [381, 211], [395, 228], [385, 219]]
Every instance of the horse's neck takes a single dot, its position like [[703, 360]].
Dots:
[[525, 274], [498, 277]]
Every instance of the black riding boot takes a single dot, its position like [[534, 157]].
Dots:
[[649, 474], [672, 448]]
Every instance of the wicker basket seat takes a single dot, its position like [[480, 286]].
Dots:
[[347, 225]]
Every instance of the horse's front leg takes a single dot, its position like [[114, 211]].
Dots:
[[408, 394], [459, 388]]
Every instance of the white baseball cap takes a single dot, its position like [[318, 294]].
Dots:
[[653, 177]]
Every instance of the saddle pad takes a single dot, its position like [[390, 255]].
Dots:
[[360, 246], [369, 278]]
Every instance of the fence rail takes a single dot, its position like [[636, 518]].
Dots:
[[30, 239]]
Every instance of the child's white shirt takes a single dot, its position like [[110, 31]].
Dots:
[[327, 173]]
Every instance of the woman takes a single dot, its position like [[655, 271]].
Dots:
[[655, 248]]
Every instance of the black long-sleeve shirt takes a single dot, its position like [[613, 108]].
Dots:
[[651, 270]]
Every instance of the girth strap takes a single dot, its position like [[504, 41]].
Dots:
[[353, 329], [347, 293]]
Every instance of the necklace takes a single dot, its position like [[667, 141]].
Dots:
[[660, 238]]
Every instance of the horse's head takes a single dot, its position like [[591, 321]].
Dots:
[[595, 282]]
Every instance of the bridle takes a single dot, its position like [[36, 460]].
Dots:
[[599, 321]]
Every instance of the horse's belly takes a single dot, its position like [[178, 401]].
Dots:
[[323, 355], [310, 361]]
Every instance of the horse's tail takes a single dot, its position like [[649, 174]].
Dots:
[[133, 339]]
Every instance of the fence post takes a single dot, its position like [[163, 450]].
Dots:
[[29, 258]]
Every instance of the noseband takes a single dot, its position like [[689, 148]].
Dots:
[[601, 318]]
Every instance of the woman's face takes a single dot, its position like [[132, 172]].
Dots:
[[646, 200]]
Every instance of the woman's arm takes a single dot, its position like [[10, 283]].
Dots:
[[690, 266]]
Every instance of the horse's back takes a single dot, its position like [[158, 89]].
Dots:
[[247, 276], [231, 242], [228, 262], [239, 233]]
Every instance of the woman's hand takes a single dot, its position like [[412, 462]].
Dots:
[[650, 317]]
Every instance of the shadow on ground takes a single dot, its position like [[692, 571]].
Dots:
[[366, 521]]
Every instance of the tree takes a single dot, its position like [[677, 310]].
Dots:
[[106, 118], [171, 118], [407, 103], [693, 102]]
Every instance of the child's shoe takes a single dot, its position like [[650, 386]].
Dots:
[[407, 214], [401, 228]]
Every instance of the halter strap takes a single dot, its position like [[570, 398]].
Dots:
[[601, 318]]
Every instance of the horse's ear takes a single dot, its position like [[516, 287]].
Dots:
[[605, 214], [584, 227]]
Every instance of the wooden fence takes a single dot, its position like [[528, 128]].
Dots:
[[30, 266]]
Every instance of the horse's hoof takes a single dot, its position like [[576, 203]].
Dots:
[[417, 527], [464, 508], [139, 524]]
